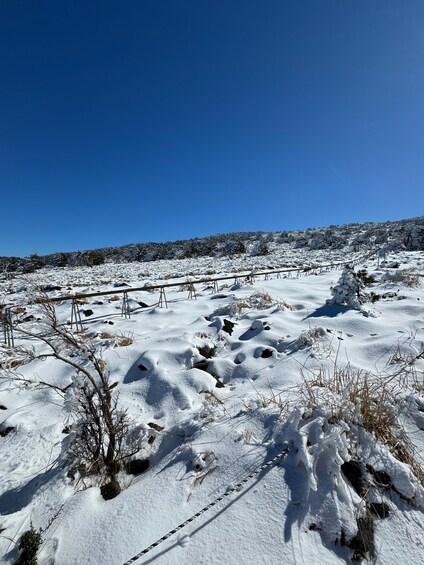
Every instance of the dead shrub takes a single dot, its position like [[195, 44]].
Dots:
[[101, 428]]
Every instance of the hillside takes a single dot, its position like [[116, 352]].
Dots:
[[403, 234], [259, 419]]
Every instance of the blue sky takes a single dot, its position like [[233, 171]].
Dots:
[[150, 120]]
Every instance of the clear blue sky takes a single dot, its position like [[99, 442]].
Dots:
[[155, 120]]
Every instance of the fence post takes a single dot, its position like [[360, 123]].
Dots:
[[76, 315], [8, 337], [162, 298], [191, 291], [125, 308]]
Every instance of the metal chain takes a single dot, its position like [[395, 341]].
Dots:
[[229, 491]]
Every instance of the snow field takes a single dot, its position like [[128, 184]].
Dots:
[[212, 437]]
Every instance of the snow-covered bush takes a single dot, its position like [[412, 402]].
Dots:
[[348, 448], [349, 290], [365, 402]]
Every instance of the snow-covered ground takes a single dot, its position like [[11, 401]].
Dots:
[[209, 408]]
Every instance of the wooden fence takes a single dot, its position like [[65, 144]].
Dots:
[[6, 310]]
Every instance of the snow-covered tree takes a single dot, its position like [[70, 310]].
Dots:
[[349, 289]]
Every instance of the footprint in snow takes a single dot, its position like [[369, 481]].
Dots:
[[183, 541]]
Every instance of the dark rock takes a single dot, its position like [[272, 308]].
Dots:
[[137, 466], [88, 312], [29, 318], [143, 304], [352, 470], [207, 351], [142, 367], [117, 285], [380, 477], [6, 431], [228, 326], [379, 509], [202, 365], [266, 353], [2, 407], [155, 426], [110, 490], [50, 288], [389, 295]]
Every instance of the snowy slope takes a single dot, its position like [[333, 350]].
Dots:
[[205, 438]]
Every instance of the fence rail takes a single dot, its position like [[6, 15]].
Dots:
[[242, 275], [7, 309]]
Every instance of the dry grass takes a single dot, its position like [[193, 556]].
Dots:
[[124, 340], [366, 400], [278, 400], [311, 336], [407, 277], [114, 298], [212, 407], [258, 301], [105, 335], [19, 310], [16, 363], [404, 359]]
